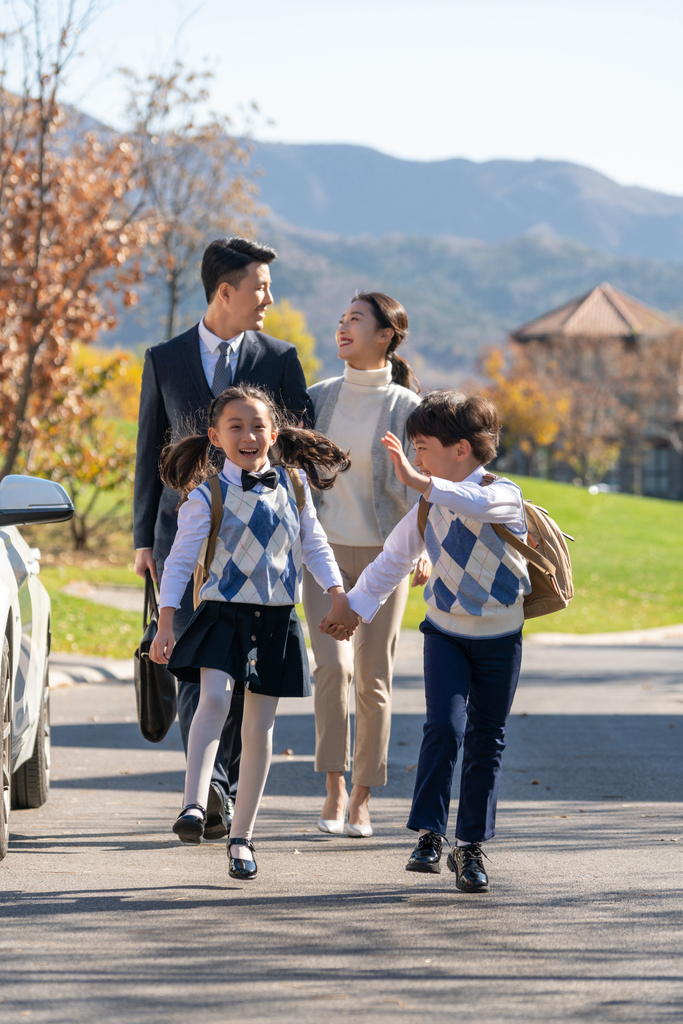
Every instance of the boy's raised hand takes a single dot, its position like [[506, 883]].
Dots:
[[405, 472]]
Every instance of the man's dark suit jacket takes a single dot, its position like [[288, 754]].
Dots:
[[174, 393]]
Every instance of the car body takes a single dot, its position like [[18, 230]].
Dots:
[[25, 636]]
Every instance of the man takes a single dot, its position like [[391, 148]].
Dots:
[[179, 380]]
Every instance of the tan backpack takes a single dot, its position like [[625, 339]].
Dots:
[[208, 549], [550, 567]]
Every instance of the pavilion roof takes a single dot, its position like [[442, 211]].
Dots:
[[603, 312]]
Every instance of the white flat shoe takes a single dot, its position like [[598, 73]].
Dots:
[[331, 826], [358, 831]]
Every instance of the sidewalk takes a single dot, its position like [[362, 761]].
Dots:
[[67, 669]]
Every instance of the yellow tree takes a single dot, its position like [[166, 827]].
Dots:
[[285, 322], [532, 415], [76, 445]]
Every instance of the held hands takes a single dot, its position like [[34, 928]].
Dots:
[[164, 641], [341, 622], [404, 470]]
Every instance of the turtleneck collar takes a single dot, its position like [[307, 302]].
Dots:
[[368, 378]]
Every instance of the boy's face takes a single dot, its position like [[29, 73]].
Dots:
[[433, 458]]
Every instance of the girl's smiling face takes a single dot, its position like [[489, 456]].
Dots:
[[361, 342], [245, 433]]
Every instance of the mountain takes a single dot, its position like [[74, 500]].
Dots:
[[460, 295], [354, 190]]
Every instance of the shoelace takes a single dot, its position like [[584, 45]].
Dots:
[[474, 851], [430, 839]]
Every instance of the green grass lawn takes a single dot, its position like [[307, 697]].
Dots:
[[80, 626], [627, 559]]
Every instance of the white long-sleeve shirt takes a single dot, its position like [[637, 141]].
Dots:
[[469, 501], [194, 523]]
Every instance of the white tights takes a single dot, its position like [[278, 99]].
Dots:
[[257, 745]]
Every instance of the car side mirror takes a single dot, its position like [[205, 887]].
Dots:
[[30, 499]]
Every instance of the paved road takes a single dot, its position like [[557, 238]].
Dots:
[[104, 917]]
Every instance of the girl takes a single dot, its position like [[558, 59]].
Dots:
[[245, 629], [355, 410], [473, 625]]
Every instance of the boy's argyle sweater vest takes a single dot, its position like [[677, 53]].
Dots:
[[258, 549], [478, 582]]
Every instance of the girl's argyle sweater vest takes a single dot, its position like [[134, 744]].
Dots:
[[258, 549]]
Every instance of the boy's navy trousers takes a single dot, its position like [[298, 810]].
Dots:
[[470, 685]]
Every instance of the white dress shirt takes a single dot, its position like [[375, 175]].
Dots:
[[208, 350], [499, 502], [194, 522]]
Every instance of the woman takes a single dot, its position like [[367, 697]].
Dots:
[[372, 397]]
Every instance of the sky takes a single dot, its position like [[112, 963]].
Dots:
[[597, 82]]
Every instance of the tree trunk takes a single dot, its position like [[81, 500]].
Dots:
[[638, 472], [173, 295], [20, 412]]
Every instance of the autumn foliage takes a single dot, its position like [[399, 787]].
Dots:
[[69, 230]]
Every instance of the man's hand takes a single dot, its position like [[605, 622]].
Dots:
[[144, 560], [423, 571], [405, 472], [164, 641]]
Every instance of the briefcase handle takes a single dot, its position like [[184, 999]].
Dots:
[[150, 609]]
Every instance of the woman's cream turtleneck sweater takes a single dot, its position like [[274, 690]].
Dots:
[[347, 512]]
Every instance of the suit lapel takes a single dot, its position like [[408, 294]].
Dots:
[[195, 370], [249, 352]]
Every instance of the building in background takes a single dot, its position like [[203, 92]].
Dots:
[[620, 361]]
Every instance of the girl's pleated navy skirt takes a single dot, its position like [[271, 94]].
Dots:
[[260, 645]]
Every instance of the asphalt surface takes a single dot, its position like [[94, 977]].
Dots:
[[105, 917]]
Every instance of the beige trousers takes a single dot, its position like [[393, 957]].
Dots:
[[369, 660]]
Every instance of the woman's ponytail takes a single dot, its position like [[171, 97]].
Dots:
[[390, 313]]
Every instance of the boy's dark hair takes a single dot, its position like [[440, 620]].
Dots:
[[451, 416], [227, 259], [186, 462]]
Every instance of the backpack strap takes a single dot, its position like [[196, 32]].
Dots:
[[201, 572], [216, 516], [298, 487], [535, 557], [422, 515]]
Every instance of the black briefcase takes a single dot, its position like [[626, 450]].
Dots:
[[155, 689]]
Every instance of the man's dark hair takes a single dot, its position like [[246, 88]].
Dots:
[[227, 259], [451, 416]]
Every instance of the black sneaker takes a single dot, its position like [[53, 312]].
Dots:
[[427, 854], [468, 864]]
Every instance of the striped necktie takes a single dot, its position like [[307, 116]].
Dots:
[[222, 377]]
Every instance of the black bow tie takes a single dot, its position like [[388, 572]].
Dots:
[[269, 479]]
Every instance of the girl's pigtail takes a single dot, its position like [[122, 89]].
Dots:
[[321, 459], [184, 464]]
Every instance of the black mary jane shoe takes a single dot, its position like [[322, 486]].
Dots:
[[188, 827], [467, 862], [217, 808], [237, 867], [426, 856]]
